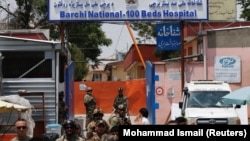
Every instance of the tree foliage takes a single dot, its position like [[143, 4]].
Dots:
[[144, 29], [88, 37], [81, 68], [31, 13], [245, 5]]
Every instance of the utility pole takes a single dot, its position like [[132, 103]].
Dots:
[[136, 46], [182, 57], [8, 20]]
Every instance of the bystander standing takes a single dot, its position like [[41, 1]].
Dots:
[[21, 130]]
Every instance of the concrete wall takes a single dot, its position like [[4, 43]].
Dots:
[[229, 38], [170, 81]]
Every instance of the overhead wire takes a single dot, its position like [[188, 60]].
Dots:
[[117, 42]]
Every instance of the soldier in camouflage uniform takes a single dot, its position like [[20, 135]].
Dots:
[[62, 109], [120, 99], [119, 117], [90, 104], [69, 126], [97, 115], [100, 133]]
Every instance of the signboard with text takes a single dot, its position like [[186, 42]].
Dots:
[[127, 10], [222, 10], [168, 36], [227, 68]]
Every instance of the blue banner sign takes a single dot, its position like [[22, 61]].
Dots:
[[168, 36]]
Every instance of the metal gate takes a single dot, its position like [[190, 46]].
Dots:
[[150, 86]]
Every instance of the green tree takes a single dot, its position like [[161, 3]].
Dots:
[[88, 37], [81, 68], [148, 29], [31, 13], [245, 5]]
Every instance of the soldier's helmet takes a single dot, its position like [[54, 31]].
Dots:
[[98, 111], [69, 123], [89, 89], [120, 89], [101, 122], [121, 107]]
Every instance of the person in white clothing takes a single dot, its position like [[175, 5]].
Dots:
[[142, 118]]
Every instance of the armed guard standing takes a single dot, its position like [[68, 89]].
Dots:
[[63, 108], [119, 117], [90, 105], [120, 99]]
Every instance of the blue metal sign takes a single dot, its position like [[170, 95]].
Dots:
[[168, 36]]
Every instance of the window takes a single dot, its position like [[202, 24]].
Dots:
[[207, 99], [17, 64], [97, 77]]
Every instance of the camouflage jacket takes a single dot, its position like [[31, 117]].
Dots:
[[95, 137], [74, 138], [90, 103], [120, 100], [92, 124], [116, 120], [62, 112]]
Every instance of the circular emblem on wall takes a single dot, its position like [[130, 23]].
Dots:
[[159, 90]]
